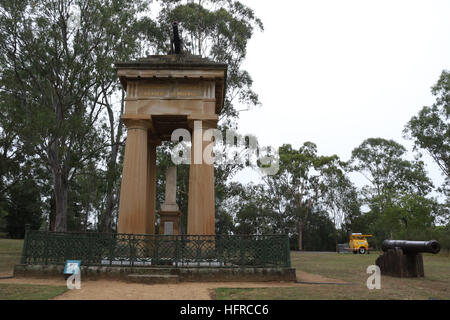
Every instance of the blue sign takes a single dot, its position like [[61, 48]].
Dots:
[[72, 267]]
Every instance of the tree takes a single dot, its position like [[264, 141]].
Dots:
[[430, 129], [299, 183], [86, 199], [382, 162], [319, 232], [54, 58], [253, 215], [442, 234], [23, 207], [341, 200], [397, 190], [411, 219]]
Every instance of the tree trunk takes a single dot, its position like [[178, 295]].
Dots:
[[300, 234], [86, 218], [111, 198], [106, 223], [335, 233], [52, 215], [61, 192]]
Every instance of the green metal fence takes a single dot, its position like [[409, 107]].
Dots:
[[110, 249]]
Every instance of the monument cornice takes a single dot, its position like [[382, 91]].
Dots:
[[173, 62], [175, 67]]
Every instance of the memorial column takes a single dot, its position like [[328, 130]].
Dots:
[[134, 195], [201, 206]]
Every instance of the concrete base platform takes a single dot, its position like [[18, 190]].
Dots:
[[147, 275], [153, 278]]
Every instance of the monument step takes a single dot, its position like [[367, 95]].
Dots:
[[156, 271], [153, 278]]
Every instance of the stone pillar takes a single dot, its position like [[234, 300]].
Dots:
[[170, 200], [201, 209], [170, 213], [134, 199]]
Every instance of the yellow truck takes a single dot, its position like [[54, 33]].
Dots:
[[358, 243]]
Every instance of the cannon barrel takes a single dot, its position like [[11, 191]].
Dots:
[[431, 246]]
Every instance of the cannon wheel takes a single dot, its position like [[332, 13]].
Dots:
[[362, 250]]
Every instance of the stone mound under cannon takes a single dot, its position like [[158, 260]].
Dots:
[[402, 258]]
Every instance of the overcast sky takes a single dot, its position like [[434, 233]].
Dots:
[[336, 72]]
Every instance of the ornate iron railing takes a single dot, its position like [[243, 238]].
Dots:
[[110, 249]]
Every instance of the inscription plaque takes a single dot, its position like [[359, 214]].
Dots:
[[181, 90], [168, 228]]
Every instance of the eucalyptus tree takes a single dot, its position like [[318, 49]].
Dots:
[[24, 207], [251, 209], [10, 156], [393, 183], [55, 60], [412, 217], [124, 41], [300, 183], [383, 163], [341, 198], [430, 129]]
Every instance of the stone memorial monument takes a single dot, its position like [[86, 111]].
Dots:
[[165, 93]]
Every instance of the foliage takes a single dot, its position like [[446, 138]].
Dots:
[[411, 219], [253, 215], [442, 234], [319, 233], [24, 207], [430, 129], [56, 69], [300, 183], [390, 174], [216, 29]]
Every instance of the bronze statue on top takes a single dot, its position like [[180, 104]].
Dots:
[[176, 43]]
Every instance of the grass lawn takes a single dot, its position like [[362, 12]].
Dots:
[[29, 291], [352, 269], [10, 252]]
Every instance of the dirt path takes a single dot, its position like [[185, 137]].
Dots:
[[117, 290]]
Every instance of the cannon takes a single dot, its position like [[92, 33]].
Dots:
[[402, 258], [431, 246]]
